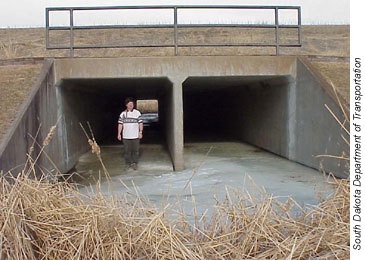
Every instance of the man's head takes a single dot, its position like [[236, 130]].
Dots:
[[129, 103]]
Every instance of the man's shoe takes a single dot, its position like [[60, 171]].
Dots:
[[134, 166]]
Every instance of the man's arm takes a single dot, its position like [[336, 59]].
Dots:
[[120, 128], [140, 126]]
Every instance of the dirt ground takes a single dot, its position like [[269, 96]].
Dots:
[[17, 81]]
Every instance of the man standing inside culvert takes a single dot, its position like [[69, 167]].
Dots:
[[130, 127]]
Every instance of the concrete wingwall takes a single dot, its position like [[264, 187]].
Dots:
[[31, 127], [316, 131], [275, 103]]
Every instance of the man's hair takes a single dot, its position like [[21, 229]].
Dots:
[[127, 100]]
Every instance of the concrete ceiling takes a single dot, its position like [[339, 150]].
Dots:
[[141, 88], [202, 84]]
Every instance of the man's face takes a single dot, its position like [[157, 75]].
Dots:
[[130, 105]]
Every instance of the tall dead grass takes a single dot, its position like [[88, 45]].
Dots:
[[40, 219], [9, 49], [45, 219]]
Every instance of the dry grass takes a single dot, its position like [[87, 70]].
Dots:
[[9, 49], [317, 40], [147, 105], [40, 219], [15, 85], [337, 73]]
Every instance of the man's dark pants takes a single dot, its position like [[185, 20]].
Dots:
[[131, 150]]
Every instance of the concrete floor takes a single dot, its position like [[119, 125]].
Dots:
[[216, 165]]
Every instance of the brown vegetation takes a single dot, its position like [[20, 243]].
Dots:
[[338, 74], [15, 85], [50, 220], [317, 40]]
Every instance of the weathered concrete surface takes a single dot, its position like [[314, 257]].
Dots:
[[228, 165], [275, 103], [316, 131], [32, 126], [253, 109], [285, 115], [174, 67], [177, 70]]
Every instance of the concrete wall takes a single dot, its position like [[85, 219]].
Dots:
[[170, 104], [75, 107], [316, 130], [261, 114], [33, 122]]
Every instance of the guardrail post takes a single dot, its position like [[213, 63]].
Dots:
[[175, 31], [47, 28], [71, 33], [300, 26], [277, 30]]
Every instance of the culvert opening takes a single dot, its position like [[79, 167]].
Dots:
[[100, 102], [250, 109]]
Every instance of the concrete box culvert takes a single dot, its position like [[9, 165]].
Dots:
[[252, 109], [277, 103], [274, 113], [100, 102]]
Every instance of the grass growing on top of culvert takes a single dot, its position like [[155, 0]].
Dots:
[[41, 219]]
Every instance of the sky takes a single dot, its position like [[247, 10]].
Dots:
[[31, 13]]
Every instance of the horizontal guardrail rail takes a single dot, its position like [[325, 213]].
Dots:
[[72, 46]]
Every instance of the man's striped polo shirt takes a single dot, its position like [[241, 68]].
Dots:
[[130, 121]]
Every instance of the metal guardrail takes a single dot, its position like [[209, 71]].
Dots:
[[72, 46]]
